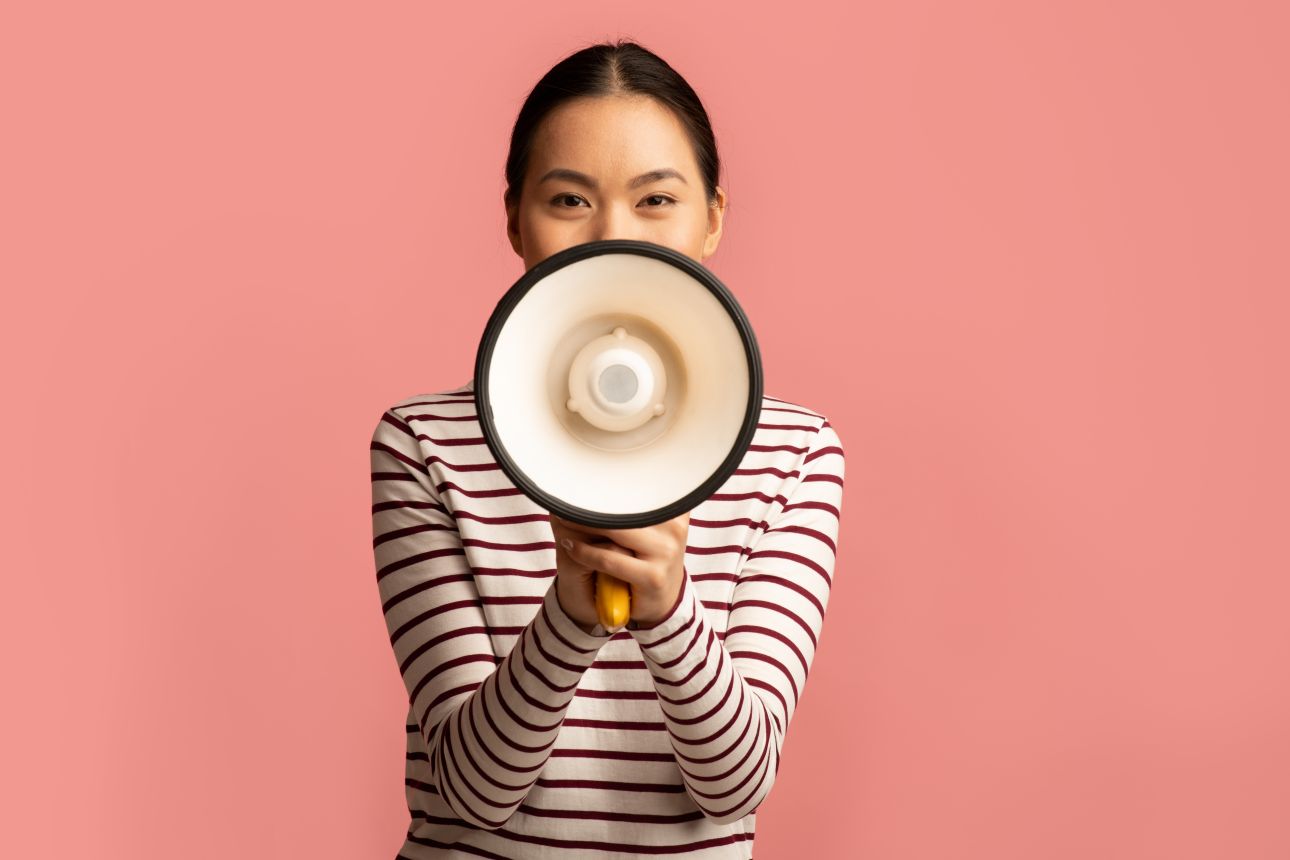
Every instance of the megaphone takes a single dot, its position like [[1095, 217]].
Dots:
[[618, 384]]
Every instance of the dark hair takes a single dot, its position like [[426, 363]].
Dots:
[[612, 68]]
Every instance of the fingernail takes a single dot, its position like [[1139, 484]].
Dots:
[[566, 543]]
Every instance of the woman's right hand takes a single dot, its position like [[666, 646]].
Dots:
[[576, 584]]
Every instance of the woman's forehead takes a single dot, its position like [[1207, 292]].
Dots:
[[612, 136]]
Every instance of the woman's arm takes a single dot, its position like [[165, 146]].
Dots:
[[488, 725], [727, 705]]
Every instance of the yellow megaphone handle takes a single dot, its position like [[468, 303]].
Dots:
[[613, 601]]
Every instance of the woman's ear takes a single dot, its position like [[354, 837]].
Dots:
[[512, 225], [716, 220]]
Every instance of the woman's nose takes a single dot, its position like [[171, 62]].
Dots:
[[614, 222]]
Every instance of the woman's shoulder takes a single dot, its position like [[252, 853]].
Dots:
[[787, 407], [458, 395], [791, 422], [439, 414]]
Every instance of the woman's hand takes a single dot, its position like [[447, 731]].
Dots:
[[575, 585], [650, 560]]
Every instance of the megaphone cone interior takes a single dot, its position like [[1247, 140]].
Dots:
[[617, 382]]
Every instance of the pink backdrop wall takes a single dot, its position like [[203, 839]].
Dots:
[[1030, 258]]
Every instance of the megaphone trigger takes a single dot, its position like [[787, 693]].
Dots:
[[613, 601]]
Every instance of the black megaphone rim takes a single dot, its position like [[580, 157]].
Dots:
[[502, 312]]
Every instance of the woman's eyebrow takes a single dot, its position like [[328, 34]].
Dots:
[[583, 179]]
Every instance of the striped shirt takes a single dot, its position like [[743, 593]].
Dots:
[[528, 737]]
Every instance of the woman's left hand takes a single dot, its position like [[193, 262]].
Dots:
[[653, 566]]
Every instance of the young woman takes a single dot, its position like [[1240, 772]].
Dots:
[[531, 731]]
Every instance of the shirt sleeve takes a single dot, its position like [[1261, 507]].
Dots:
[[727, 705], [488, 724]]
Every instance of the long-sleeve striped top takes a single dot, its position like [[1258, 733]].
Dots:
[[528, 737]]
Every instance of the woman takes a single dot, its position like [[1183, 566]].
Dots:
[[533, 732]]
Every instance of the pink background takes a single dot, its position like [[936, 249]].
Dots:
[[1030, 259]]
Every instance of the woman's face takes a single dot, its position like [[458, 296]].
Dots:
[[589, 178]]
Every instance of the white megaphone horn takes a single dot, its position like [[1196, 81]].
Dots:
[[618, 385]]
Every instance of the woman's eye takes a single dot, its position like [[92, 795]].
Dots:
[[667, 201], [564, 197]]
